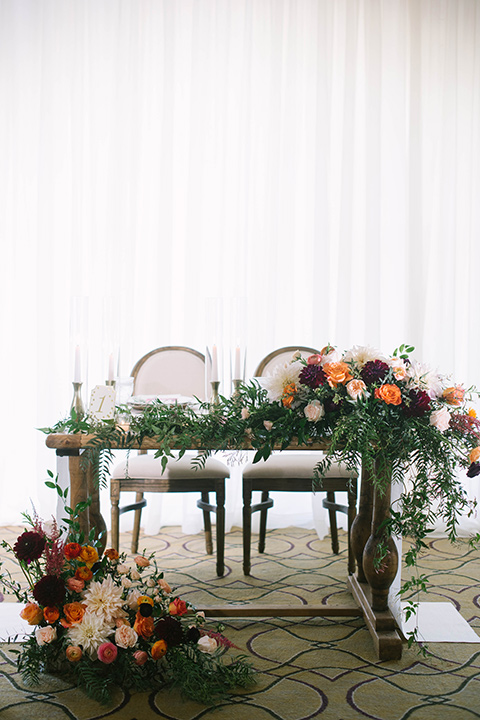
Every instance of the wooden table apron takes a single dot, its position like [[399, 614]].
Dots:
[[369, 587]]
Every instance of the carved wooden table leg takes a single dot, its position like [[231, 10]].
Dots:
[[362, 525], [380, 545], [79, 489], [94, 516]]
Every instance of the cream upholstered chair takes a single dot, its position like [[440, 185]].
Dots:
[[167, 371], [287, 472]]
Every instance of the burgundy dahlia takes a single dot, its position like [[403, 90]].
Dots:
[[170, 630], [50, 590], [313, 376], [29, 546], [418, 405], [374, 371], [473, 470]]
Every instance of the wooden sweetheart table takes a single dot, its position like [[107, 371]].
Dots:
[[370, 588]]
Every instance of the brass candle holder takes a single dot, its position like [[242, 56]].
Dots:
[[77, 402], [110, 383], [215, 397], [236, 388]]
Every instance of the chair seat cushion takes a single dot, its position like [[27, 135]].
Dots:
[[288, 465], [147, 466]]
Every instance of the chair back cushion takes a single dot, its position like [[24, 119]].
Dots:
[[282, 355], [170, 371]]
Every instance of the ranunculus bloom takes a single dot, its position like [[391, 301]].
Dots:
[[474, 454], [74, 653], [107, 653], [440, 419], [83, 573], [268, 424], [454, 395], [314, 411], [207, 644], [356, 389], [49, 590], [314, 359], [289, 392], [32, 613], [125, 636], [51, 614], [165, 586], [177, 607], [45, 635], [74, 612], [338, 373], [72, 551], [144, 626], [75, 585], [142, 561], [140, 657], [112, 554], [89, 555], [29, 546], [390, 394], [159, 649]]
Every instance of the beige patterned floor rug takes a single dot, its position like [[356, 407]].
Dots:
[[307, 668]]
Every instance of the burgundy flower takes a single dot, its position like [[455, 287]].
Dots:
[[473, 470], [313, 376], [374, 371], [419, 403], [170, 630], [29, 546], [50, 590]]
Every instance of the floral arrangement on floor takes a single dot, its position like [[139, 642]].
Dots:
[[106, 622]]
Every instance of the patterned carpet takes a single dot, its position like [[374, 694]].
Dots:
[[307, 668]]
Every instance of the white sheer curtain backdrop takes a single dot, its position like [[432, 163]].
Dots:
[[320, 159]]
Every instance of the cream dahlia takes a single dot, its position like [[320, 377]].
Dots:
[[424, 378], [104, 599], [361, 354], [282, 376], [90, 633]]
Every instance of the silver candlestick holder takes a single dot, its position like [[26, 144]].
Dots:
[[77, 402], [215, 399], [236, 388]]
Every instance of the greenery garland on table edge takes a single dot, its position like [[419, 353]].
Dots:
[[393, 414]]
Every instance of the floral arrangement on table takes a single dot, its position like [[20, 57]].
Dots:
[[105, 622]]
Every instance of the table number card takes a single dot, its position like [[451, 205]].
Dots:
[[102, 403]]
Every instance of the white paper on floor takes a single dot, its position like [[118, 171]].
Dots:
[[439, 622], [11, 624]]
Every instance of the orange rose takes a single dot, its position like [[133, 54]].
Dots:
[[51, 614], [454, 395], [338, 373], [159, 649], [32, 613], [83, 573], [289, 394], [71, 550], [89, 555], [74, 612], [144, 626], [390, 394], [178, 607], [112, 554], [474, 454]]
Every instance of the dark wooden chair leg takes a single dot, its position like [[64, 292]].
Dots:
[[220, 494], [263, 524], [247, 525], [136, 523], [333, 523], [352, 512], [207, 524]]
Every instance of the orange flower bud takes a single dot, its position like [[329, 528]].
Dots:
[[159, 649], [112, 554], [289, 394]]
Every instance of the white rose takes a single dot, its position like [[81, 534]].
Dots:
[[440, 419], [207, 644], [125, 636], [314, 411], [45, 635]]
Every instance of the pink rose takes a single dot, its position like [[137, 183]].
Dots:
[[75, 585], [440, 419], [142, 561], [356, 389], [268, 424], [207, 644], [177, 607], [107, 653], [140, 657], [314, 411], [45, 635], [125, 636]]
